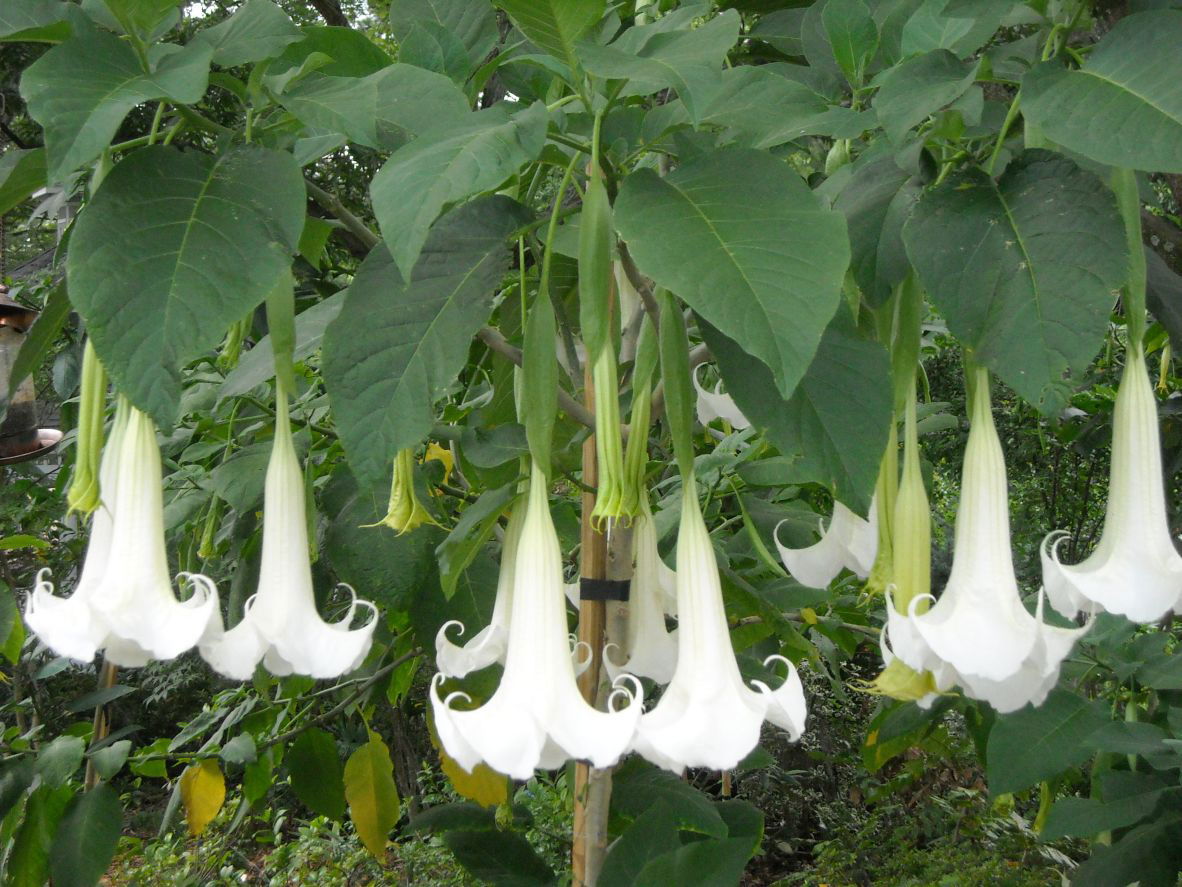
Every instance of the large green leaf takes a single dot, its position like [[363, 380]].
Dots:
[[503, 858], [740, 237], [473, 24], [637, 785], [257, 30], [698, 864], [34, 20], [1148, 856], [28, 861], [447, 165], [397, 346], [554, 25], [762, 108], [146, 18], [652, 58], [371, 793], [317, 777], [81, 90], [852, 34], [382, 110], [1024, 269], [1034, 744], [939, 24], [174, 248], [21, 173], [653, 834], [836, 423], [467, 539], [86, 838], [350, 54], [1085, 817], [917, 87], [1124, 106]]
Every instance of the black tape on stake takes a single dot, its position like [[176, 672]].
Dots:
[[603, 589]]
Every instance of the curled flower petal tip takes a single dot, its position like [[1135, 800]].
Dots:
[[707, 716], [537, 717], [850, 543], [715, 404], [1135, 570]]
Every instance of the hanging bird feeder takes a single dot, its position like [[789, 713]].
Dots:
[[20, 438]]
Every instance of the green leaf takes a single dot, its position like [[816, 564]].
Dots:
[[447, 165], [86, 838], [372, 796], [98, 697], [1034, 744], [316, 774], [60, 759], [1124, 106], [174, 248], [382, 110], [504, 858], [932, 27], [257, 365], [636, 785], [554, 25], [257, 30], [239, 750], [110, 759], [81, 90], [15, 778], [700, 864], [474, 25], [1130, 738], [836, 423], [396, 347], [433, 47], [1085, 817], [762, 108], [21, 173], [740, 237], [652, 58], [853, 35], [1148, 856], [339, 52], [1163, 295], [142, 17], [34, 20], [239, 480], [469, 535], [1024, 269], [653, 834], [918, 87], [28, 861]]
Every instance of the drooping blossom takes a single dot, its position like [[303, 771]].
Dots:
[[850, 542]]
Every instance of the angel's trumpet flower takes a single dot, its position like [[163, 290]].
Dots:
[[133, 615], [850, 543], [1135, 570], [978, 634], [716, 404], [708, 717], [404, 512], [536, 717], [280, 625]]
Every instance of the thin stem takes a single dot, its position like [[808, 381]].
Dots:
[[1011, 116]]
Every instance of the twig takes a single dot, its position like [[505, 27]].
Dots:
[[331, 203], [498, 343]]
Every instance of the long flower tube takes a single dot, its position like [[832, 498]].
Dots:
[[281, 626], [979, 635], [134, 598], [1136, 570], [68, 625], [536, 718], [850, 542], [707, 716]]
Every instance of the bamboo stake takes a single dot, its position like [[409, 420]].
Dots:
[[102, 724]]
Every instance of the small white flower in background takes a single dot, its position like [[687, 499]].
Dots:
[[849, 543], [650, 649], [132, 611], [716, 405], [536, 717], [280, 625], [978, 635], [707, 716], [1135, 570]]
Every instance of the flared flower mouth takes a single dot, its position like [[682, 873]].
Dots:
[[717, 404], [1135, 570], [849, 543], [537, 717], [708, 716], [978, 634], [280, 625]]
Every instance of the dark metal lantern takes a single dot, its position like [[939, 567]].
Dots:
[[20, 438]]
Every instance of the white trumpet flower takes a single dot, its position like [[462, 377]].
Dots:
[[651, 649], [707, 716], [1135, 570], [536, 717], [717, 405], [131, 602], [280, 625], [978, 634], [850, 543]]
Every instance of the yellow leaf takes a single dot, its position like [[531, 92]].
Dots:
[[484, 785], [439, 454], [371, 793], [203, 791], [809, 615]]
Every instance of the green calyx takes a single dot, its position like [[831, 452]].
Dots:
[[84, 494], [612, 482]]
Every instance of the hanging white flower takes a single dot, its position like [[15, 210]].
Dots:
[[717, 405], [127, 606], [536, 717], [650, 648], [1135, 570], [850, 543], [978, 635], [707, 716], [280, 625]]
